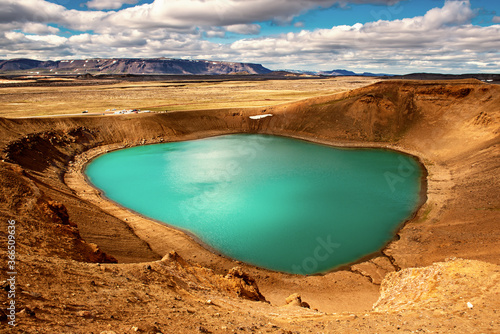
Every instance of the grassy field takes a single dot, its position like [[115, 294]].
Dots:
[[164, 95]]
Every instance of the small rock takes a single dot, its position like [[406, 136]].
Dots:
[[151, 329], [84, 314], [27, 312], [293, 298], [5, 286], [171, 256], [35, 294], [469, 305], [202, 329]]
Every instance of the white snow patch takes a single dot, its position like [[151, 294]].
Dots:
[[260, 116]]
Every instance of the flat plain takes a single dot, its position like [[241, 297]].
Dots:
[[43, 98]]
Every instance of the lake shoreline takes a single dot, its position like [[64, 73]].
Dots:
[[452, 126], [193, 238]]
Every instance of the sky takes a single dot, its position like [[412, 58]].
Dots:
[[379, 36]]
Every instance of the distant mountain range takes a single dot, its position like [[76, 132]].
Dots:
[[350, 73], [170, 66], [339, 72], [128, 66], [487, 77], [140, 66]]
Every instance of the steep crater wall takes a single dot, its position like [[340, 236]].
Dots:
[[452, 126]]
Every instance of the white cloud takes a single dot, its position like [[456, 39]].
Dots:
[[109, 4], [454, 12], [39, 29], [30, 11], [432, 29], [40, 11], [16, 44], [185, 13], [215, 33], [48, 39], [496, 19], [374, 2], [172, 14], [442, 39], [15, 36], [244, 29]]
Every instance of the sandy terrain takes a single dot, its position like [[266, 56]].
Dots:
[[64, 227]]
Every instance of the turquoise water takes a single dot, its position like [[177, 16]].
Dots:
[[277, 203]]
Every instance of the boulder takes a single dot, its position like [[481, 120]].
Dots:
[[296, 300]]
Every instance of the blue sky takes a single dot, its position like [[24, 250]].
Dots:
[[384, 36]]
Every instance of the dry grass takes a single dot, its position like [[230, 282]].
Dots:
[[164, 95]]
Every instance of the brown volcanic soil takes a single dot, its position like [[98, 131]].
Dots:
[[63, 226]]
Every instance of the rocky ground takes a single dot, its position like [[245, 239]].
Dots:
[[439, 275]]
